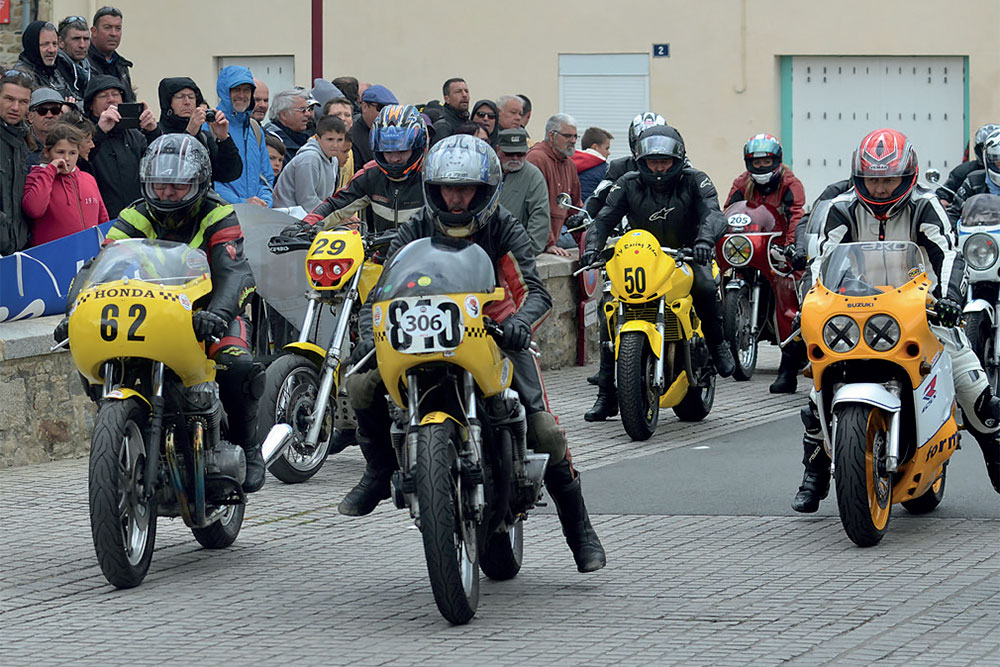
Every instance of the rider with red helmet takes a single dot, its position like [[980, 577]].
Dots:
[[768, 181], [887, 204]]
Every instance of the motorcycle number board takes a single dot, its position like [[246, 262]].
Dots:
[[416, 325]]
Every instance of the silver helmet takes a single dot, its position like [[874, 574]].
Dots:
[[462, 159]]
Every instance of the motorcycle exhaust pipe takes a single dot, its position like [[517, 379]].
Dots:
[[274, 445]]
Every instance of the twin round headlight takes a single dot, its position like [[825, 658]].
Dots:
[[841, 333]]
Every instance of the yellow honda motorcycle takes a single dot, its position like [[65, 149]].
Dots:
[[662, 358], [459, 432], [302, 385], [159, 446], [884, 387]]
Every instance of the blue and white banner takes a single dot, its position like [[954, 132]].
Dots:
[[35, 282]]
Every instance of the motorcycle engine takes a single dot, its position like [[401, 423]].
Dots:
[[227, 459]]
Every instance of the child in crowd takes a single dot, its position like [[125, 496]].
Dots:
[[59, 199], [312, 174], [276, 151], [88, 129]]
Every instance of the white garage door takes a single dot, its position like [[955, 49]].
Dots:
[[605, 91], [835, 101]]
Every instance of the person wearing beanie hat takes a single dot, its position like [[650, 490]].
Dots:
[[183, 109]]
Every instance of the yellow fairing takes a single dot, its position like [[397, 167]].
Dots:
[[907, 305], [132, 318], [336, 250], [647, 328], [125, 393], [922, 471], [639, 271], [676, 391], [310, 351], [477, 352], [370, 273]]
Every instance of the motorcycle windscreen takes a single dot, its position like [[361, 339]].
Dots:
[[436, 266], [746, 217], [154, 261], [871, 268], [981, 210]]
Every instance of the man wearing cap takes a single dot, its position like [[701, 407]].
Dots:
[[114, 159], [43, 114], [372, 101], [15, 97], [524, 193]]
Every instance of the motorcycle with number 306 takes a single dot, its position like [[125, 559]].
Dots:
[[459, 430]]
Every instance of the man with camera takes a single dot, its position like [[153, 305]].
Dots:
[[123, 132]]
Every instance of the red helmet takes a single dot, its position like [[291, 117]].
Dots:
[[884, 154]]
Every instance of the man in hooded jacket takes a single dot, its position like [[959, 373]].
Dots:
[[114, 160], [481, 111], [255, 184], [179, 116], [15, 95], [41, 67]]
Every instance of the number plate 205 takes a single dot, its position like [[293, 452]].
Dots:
[[424, 324]]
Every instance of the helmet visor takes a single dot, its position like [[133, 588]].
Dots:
[[659, 146]]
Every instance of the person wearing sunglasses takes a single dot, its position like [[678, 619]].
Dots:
[[43, 114], [40, 49], [15, 97], [484, 114]]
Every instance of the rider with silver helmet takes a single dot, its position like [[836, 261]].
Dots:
[[985, 180], [178, 204], [961, 171], [679, 205], [461, 182]]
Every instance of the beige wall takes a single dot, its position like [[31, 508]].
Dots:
[[701, 88]]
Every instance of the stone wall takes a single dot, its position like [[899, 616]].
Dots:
[[46, 416], [10, 33]]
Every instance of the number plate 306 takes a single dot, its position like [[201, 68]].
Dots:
[[424, 324]]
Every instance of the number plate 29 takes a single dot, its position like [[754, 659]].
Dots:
[[424, 324]]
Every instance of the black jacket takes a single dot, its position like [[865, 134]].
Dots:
[[687, 214], [450, 119], [360, 138], [391, 202], [974, 184], [77, 74], [13, 174], [227, 165], [293, 140], [118, 68], [616, 169], [957, 177]]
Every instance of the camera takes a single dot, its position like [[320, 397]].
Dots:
[[210, 116]]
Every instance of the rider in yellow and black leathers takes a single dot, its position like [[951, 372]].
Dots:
[[179, 205]]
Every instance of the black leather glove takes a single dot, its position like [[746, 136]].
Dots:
[[949, 311], [516, 334], [208, 324], [61, 331], [361, 349], [576, 220], [301, 230], [703, 252], [797, 257], [587, 258]]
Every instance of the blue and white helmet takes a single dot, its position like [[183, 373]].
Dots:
[[462, 159]]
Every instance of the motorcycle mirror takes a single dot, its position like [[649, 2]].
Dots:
[[933, 175], [564, 200]]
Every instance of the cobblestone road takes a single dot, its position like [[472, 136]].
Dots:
[[304, 585]]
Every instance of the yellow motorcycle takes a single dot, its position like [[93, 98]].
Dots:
[[302, 385], [884, 387], [459, 433], [661, 354], [159, 445]]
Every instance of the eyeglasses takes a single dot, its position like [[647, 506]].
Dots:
[[48, 111], [186, 96], [485, 114], [574, 137]]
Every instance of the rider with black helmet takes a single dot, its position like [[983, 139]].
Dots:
[[680, 206], [461, 183], [179, 205]]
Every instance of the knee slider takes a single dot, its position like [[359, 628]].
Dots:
[[810, 420], [546, 437]]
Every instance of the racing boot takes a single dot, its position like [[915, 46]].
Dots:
[[788, 371], [725, 365], [816, 478], [342, 439], [607, 395], [374, 486], [990, 445], [240, 388], [567, 494], [256, 474], [594, 379]]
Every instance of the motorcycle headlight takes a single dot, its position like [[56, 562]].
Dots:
[[841, 333], [881, 332], [737, 250], [980, 251]]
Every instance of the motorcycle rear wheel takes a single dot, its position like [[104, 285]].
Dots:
[[738, 329], [449, 537], [697, 403], [639, 403], [864, 493], [223, 532], [932, 497], [504, 551], [122, 524], [290, 389]]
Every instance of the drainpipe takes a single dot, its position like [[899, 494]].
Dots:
[[25, 14], [317, 40]]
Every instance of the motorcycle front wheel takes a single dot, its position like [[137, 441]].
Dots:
[[290, 389], [638, 401], [738, 328], [449, 536], [864, 488], [504, 551], [122, 523]]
